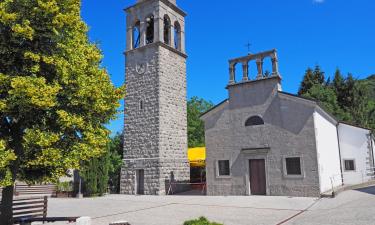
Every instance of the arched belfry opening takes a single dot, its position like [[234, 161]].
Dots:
[[136, 35], [150, 30], [254, 67], [177, 35], [167, 30]]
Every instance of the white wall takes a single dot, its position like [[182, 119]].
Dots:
[[355, 144], [328, 153]]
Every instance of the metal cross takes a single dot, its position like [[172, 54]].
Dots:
[[248, 45]]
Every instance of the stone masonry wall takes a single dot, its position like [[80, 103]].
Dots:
[[141, 125], [173, 117], [288, 131], [155, 136], [155, 104]]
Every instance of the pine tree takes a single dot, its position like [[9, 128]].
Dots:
[[348, 92], [116, 148], [307, 82], [318, 75], [95, 175], [339, 87]]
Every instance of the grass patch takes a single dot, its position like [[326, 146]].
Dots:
[[201, 221]]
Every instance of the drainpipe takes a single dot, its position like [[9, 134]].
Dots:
[[338, 140]]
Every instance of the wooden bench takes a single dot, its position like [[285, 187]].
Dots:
[[34, 209], [23, 189], [26, 208]]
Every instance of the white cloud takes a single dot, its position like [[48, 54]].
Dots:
[[319, 1]]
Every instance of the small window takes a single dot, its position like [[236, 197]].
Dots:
[[293, 166], [349, 165], [223, 168], [254, 121]]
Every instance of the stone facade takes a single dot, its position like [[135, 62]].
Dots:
[[155, 104], [288, 131]]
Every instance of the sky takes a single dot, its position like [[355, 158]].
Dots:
[[330, 33]]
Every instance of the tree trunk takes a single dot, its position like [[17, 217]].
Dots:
[[6, 212], [6, 206]]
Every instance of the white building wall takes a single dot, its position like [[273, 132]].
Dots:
[[355, 144], [328, 153]]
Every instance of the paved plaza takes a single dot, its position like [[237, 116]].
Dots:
[[355, 207]]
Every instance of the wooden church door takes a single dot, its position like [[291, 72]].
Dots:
[[257, 177]]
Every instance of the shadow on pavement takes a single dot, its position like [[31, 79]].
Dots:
[[368, 190]]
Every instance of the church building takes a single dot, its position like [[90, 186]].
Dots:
[[263, 141]]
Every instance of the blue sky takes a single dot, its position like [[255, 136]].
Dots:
[[331, 33]]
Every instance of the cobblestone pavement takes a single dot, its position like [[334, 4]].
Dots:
[[350, 207]]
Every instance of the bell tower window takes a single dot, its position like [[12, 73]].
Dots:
[[136, 35], [177, 36], [150, 30], [167, 30]]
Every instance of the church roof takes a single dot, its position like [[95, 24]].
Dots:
[[316, 103], [213, 108]]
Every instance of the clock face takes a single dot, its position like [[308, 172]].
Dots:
[[140, 68]]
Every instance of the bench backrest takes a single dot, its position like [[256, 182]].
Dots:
[[34, 207], [23, 189]]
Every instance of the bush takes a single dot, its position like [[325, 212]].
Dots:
[[200, 221], [65, 186]]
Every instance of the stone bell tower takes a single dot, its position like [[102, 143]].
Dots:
[[155, 147]]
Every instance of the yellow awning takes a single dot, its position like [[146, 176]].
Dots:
[[197, 157]]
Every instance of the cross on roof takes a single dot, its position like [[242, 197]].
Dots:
[[248, 45]]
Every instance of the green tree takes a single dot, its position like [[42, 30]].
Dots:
[[307, 82], [348, 92], [54, 95], [116, 148], [326, 96], [103, 172], [311, 78], [347, 98], [195, 107], [363, 106], [95, 175], [339, 86], [318, 75]]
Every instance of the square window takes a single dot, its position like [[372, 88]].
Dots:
[[349, 165], [293, 166], [224, 168]]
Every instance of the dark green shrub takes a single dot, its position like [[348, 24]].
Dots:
[[200, 221]]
